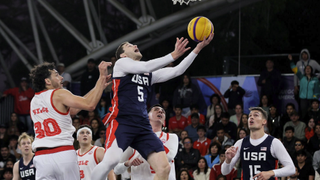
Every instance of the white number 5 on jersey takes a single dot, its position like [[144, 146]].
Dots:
[[140, 93]]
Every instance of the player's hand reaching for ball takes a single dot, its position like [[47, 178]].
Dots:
[[180, 48], [203, 44], [230, 153]]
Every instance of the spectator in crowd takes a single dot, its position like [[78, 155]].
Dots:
[[9, 163], [289, 140], [299, 145], [169, 111], [186, 95], [216, 169], [203, 143], [165, 89], [304, 168], [316, 164], [314, 112], [107, 90], [243, 123], [286, 116], [14, 125], [242, 133], [195, 109], [7, 174], [304, 61], [66, 76], [236, 119], [4, 139], [192, 128], [178, 122], [76, 124], [214, 119], [274, 122], [184, 175], [235, 94], [222, 139], [5, 156], [214, 99], [298, 125], [309, 131], [203, 171], [100, 141], [95, 125], [89, 77], [270, 81], [213, 157], [309, 87], [265, 103], [222, 177], [188, 157], [102, 108], [13, 147], [22, 98], [314, 142], [183, 134], [91, 115], [230, 128]]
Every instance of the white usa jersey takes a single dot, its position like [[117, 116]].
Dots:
[[52, 128], [144, 170]]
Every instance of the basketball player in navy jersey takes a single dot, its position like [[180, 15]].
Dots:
[[128, 123], [24, 168], [259, 153]]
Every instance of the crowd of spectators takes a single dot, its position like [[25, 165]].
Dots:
[[203, 137]]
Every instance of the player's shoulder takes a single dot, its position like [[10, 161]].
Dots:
[[122, 61], [173, 136]]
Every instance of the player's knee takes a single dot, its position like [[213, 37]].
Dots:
[[164, 170]]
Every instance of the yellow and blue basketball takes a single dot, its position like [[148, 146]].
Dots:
[[200, 28]]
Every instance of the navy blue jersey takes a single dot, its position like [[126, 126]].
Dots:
[[256, 159], [27, 172], [129, 100]]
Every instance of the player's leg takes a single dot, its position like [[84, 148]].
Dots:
[[44, 167], [111, 158], [115, 133], [159, 163], [67, 164]]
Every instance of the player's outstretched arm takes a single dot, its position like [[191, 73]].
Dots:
[[232, 156], [180, 48], [165, 74], [16, 175], [91, 99]]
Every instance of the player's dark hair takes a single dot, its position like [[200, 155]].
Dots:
[[38, 75], [155, 105], [263, 112], [289, 128], [205, 168], [120, 50], [215, 144]]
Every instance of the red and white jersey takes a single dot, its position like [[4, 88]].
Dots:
[[87, 162], [52, 128], [144, 171]]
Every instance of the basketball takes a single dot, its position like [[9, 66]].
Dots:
[[200, 28]]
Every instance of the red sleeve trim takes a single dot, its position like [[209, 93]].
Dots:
[[55, 107], [134, 152], [95, 155]]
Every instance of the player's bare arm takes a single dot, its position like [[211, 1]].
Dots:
[[16, 175], [63, 99]]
